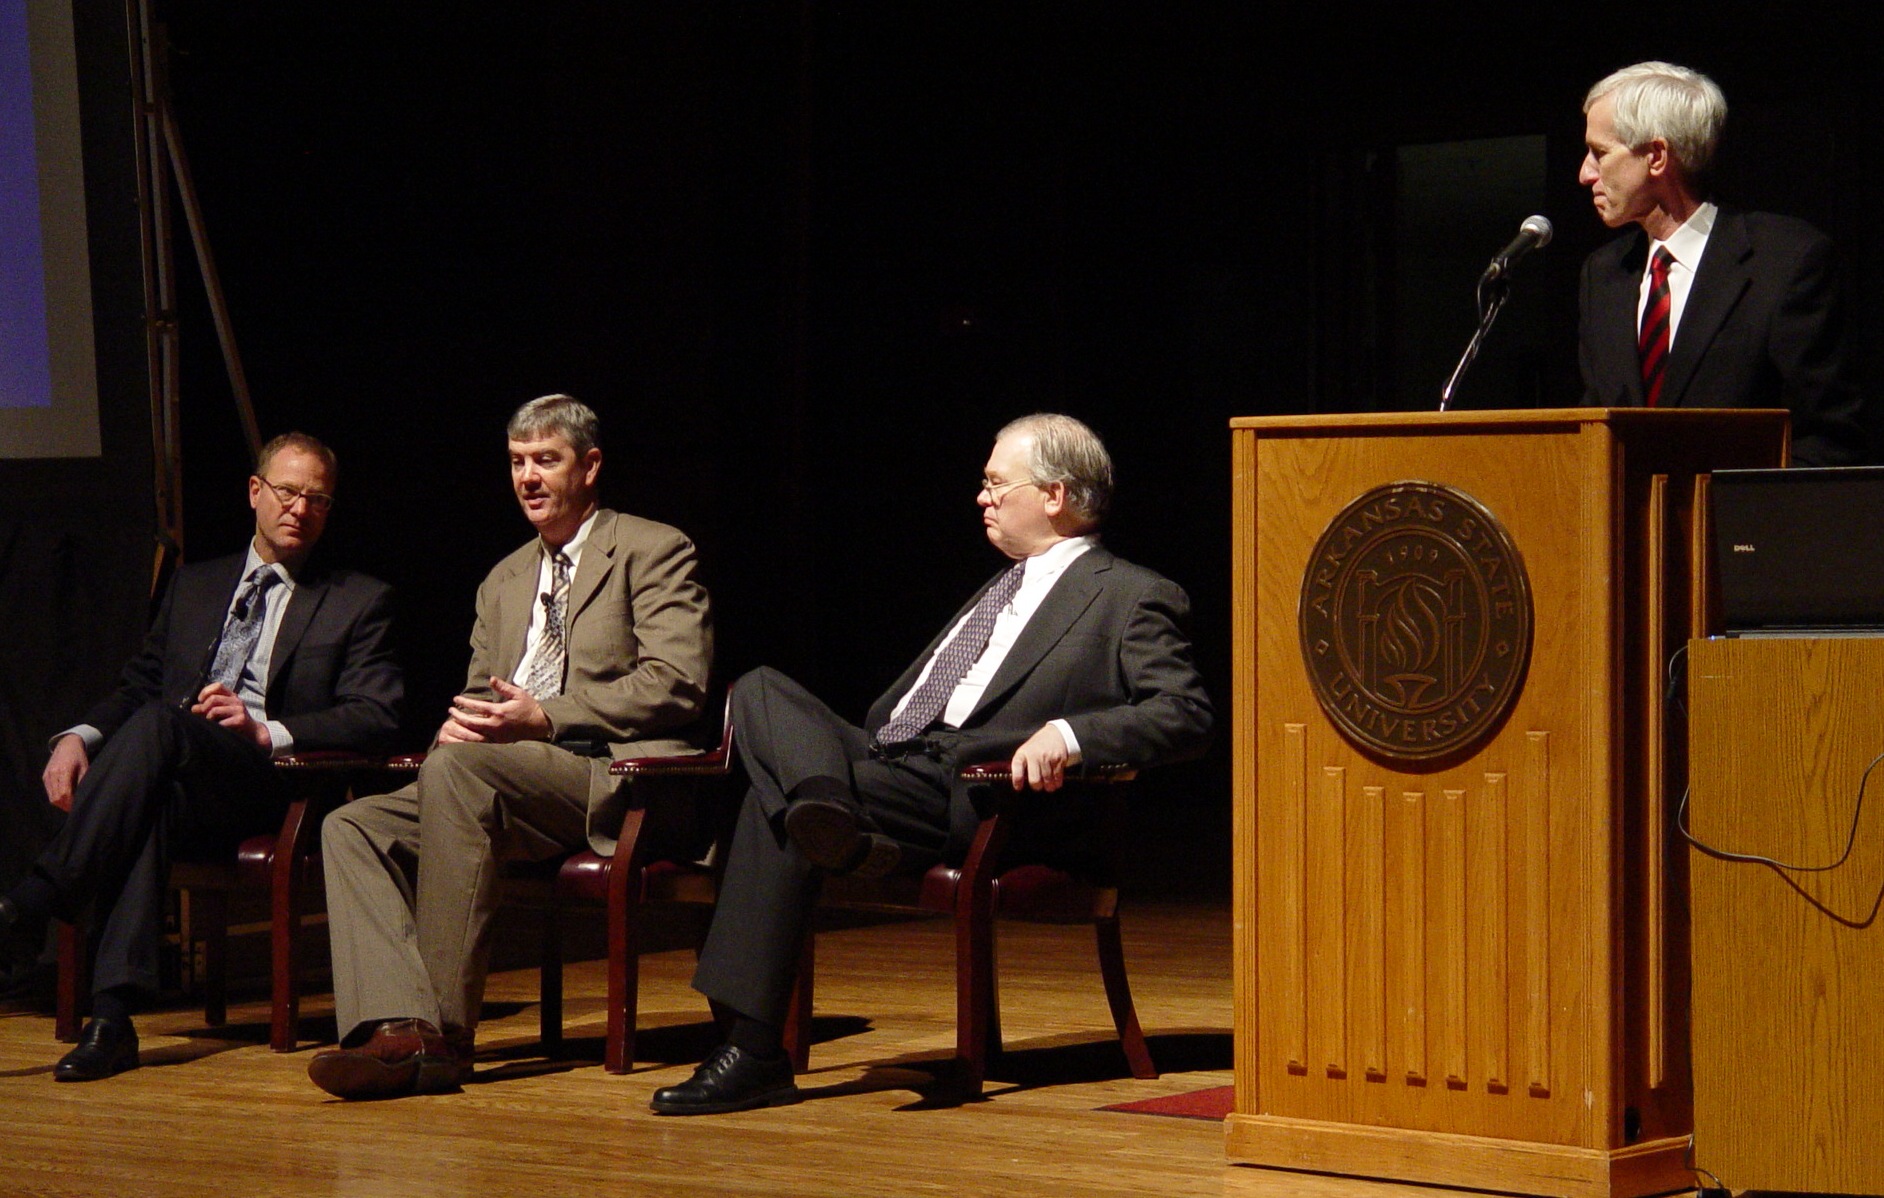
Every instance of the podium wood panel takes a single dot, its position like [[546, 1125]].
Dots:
[[1480, 963], [1789, 965]]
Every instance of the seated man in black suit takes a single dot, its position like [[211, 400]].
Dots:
[[1069, 656], [251, 657], [1704, 307]]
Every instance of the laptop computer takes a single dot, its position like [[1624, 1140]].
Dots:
[[1800, 552]]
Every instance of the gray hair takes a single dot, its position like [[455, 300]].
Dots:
[[561, 415], [1066, 451], [1659, 99]]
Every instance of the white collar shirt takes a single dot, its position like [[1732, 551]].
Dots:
[[545, 580], [1685, 245]]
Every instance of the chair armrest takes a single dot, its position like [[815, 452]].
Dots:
[[405, 763], [689, 765], [714, 763], [1001, 771], [329, 759]]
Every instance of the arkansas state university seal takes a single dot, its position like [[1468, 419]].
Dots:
[[1415, 621]]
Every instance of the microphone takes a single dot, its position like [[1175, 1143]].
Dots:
[[1493, 289], [1533, 234]]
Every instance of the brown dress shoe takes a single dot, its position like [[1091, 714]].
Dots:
[[402, 1056]]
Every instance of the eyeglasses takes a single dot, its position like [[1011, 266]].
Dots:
[[996, 490], [316, 500]]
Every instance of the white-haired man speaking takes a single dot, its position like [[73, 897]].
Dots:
[[1704, 306]]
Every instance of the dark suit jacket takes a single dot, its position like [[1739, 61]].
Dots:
[[1763, 328], [1107, 652], [640, 635], [332, 679]]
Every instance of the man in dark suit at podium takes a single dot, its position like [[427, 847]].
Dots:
[[1067, 656], [1704, 306], [251, 657]]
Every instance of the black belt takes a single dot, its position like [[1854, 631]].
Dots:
[[933, 745]]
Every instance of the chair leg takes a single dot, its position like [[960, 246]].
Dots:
[[286, 937], [624, 977], [550, 981], [1119, 997], [292, 869], [977, 1001], [209, 917], [74, 986], [796, 1034]]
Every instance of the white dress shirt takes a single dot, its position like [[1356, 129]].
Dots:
[[1685, 245], [545, 581]]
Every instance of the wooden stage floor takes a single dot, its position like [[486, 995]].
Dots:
[[215, 1112]]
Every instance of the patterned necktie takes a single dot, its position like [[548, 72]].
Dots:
[[243, 628], [1653, 343], [953, 662], [545, 679]]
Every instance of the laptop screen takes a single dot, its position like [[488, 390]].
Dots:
[[1800, 550]]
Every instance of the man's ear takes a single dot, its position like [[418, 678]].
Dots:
[[1055, 494], [255, 491], [1661, 160]]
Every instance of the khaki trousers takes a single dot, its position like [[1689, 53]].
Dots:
[[412, 877]]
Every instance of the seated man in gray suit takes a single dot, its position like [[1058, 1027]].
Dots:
[[251, 656], [592, 642], [1067, 656]]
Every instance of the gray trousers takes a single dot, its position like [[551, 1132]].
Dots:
[[412, 877]]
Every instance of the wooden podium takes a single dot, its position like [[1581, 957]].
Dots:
[[1467, 966]]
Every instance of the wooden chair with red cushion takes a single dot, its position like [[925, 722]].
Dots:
[[983, 890], [624, 883], [284, 864]]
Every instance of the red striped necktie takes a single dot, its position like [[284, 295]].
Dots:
[[1652, 345]]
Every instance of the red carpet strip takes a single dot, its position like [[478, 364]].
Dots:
[[1213, 1103]]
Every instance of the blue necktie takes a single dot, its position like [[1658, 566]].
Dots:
[[244, 628]]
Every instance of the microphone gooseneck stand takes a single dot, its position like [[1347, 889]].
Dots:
[[1494, 287]]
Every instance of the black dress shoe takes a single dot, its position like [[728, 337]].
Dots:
[[832, 836], [106, 1048], [730, 1080]]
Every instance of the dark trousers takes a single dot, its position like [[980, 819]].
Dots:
[[166, 783], [786, 737]]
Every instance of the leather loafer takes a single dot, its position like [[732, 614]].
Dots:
[[730, 1080], [402, 1056], [832, 837], [106, 1048]]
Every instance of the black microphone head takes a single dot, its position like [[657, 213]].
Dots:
[[1538, 226]]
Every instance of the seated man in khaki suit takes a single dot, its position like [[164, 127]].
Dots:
[[592, 642]]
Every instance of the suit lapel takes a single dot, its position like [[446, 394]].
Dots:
[[202, 608], [1719, 282], [302, 604], [1075, 591], [887, 701], [516, 597], [1620, 290], [598, 558]]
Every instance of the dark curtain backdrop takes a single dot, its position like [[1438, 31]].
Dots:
[[805, 258]]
